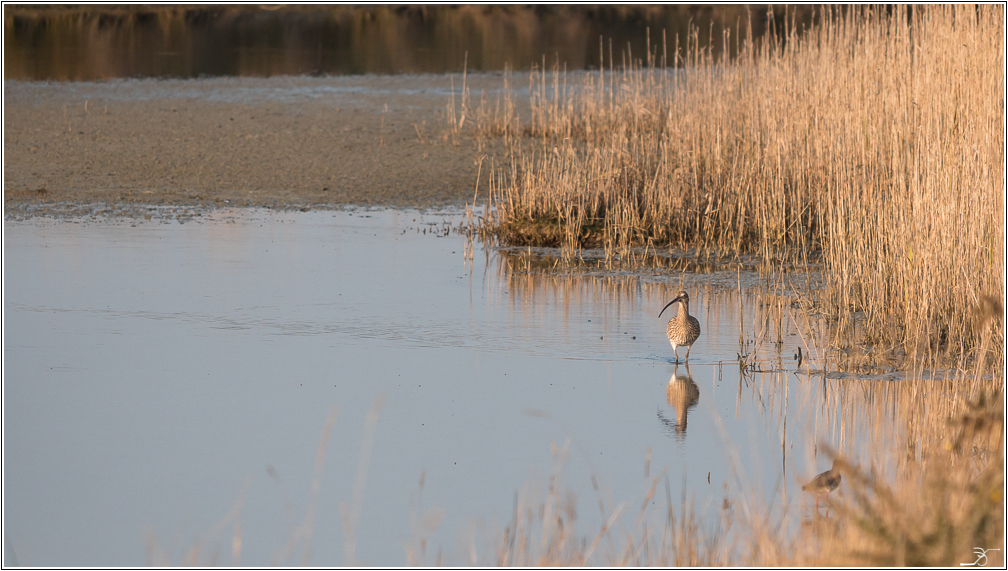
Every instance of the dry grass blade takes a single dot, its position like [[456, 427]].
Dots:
[[351, 513], [305, 530]]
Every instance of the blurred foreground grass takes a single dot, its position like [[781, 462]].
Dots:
[[944, 499]]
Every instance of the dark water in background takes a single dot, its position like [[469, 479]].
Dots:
[[100, 42]]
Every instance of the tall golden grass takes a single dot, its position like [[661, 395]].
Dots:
[[873, 141]]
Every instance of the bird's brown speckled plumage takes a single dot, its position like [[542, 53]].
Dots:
[[683, 329]]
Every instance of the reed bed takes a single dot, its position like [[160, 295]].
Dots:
[[872, 141]]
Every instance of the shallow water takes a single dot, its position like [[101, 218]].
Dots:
[[158, 374]]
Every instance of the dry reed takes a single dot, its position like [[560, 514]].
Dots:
[[874, 140]]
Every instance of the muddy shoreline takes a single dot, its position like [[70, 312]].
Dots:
[[282, 142]]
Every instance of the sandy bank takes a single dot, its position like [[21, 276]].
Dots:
[[274, 142]]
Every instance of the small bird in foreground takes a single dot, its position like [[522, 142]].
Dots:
[[824, 483], [683, 329]]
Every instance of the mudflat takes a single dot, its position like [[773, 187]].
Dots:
[[280, 142]]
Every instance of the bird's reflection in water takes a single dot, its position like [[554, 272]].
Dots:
[[682, 394]]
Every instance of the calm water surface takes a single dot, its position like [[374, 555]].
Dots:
[[158, 375]]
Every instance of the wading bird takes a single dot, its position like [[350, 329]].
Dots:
[[683, 329], [824, 483]]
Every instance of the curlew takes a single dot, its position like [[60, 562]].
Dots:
[[683, 329], [824, 483]]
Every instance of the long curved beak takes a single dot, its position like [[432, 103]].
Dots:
[[667, 306]]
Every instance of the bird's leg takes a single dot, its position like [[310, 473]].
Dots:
[[687, 353], [675, 351]]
